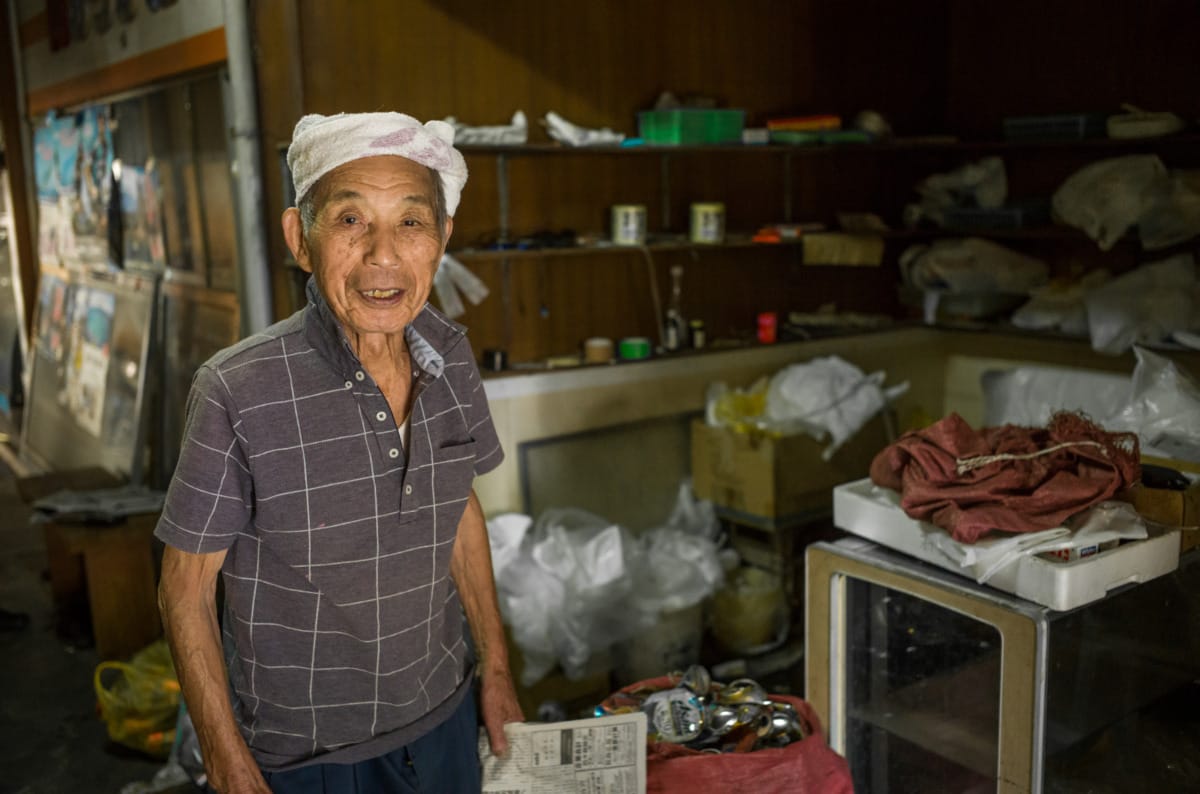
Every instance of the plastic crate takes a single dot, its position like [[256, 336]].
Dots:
[[675, 127], [1066, 127]]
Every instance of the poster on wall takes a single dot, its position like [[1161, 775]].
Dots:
[[141, 210], [53, 304], [89, 218], [87, 374], [88, 371], [54, 227]]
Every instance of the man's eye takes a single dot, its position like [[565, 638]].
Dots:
[[350, 220]]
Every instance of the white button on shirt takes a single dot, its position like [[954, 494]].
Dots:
[[381, 415], [408, 489], [393, 453], [359, 375]]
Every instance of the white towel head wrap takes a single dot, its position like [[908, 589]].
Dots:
[[322, 143]]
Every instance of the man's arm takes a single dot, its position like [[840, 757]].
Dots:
[[187, 601], [471, 568]]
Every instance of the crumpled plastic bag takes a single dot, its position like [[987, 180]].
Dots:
[[828, 398], [1164, 409], [678, 565], [572, 585], [1060, 306], [1107, 198], [1172, 211], [571, 134], [979, 184], [562, 591], [1145, 305], [971, 265], [139, 699], [1160, 402], [514, 133], [453, 277], [1030, 395]]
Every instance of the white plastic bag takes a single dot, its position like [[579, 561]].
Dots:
[[971, 265], [1058, 306], [572, 585], [592, 559], [1144, 305], [1165, 408], [1107, 198], [979, 184], [678, 565], [1172, 213], [828, 398]]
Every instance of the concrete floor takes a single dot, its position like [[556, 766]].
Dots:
[[52, 740]]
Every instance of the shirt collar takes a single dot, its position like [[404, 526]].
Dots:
[[430, 336]]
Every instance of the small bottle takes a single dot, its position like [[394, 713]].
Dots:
[[698, 335], [674, 326]]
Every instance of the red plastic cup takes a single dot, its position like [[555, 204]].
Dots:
[[768, 322]]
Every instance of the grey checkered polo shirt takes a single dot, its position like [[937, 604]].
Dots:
[[342, 629]]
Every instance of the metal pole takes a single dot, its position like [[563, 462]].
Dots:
[[254, 280]]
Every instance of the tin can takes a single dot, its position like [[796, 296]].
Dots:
[[708, 223], [629, 224]]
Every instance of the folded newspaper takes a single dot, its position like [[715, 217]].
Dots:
[[603, 755]]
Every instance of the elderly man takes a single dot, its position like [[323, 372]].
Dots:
[[326, 473]]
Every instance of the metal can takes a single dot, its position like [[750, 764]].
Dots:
[[629, 224], [708, 223]]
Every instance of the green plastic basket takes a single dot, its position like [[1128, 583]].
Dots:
[[676, 127]]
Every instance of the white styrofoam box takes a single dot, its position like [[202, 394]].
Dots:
[[857, 508]]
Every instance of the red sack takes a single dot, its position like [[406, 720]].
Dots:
[[808, 766]]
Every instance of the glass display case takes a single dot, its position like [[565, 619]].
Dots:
[[930, 682]]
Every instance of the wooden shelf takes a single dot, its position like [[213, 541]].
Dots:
[[488, 254], [1068, 233], [1050, 232], [919, 143]]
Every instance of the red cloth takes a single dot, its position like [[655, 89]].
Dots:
[[1006, 495], [808, 766]]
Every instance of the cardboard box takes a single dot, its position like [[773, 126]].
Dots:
[[1174, 509], [781, 479]]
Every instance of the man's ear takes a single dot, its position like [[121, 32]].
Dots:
[[293, 234], [449, 230]]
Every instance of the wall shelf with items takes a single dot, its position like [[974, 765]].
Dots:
[[676, 162], [731, 242], [548, 296]]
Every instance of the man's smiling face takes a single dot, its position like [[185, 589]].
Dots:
[[374, 244]]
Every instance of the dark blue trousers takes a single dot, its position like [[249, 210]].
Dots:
[[443, 761]]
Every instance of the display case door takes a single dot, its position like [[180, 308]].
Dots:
[[925, 686]]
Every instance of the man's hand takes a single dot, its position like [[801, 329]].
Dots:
[[498, 706]]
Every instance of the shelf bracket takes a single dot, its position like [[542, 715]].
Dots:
[[665, 181], [787, 187], [502, 197]]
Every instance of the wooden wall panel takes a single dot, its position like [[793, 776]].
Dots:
[[1069, 56], [597, 64]]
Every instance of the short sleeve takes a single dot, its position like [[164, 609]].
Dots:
[[210, 498], [488, 452]]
